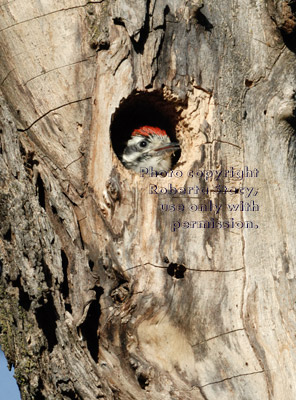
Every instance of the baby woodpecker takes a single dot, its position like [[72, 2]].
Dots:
[[149, 147]]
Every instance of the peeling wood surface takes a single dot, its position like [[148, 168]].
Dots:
[[103, 295]]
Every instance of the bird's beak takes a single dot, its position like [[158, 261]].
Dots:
[[170, 147]]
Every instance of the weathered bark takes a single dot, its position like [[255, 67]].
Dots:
[[101, 297]]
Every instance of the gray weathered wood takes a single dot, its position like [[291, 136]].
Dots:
[[100, 296]]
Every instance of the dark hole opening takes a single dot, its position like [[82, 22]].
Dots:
[[24, 298], [292, 121], [30, 161], [289, 40], [54, 210], [68, 307], [46, 316], [7, 235], [70, 395], [202, 20], [141, 109], [144, 32], [118, 21], [176, 270], [143, 381], [292, 4], [89, 328], [40, 191], [65, 284], [22, 150], [39, 396], [91, 264], [248, 83], [289, 31]]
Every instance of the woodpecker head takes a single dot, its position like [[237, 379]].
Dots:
[[149, 147]]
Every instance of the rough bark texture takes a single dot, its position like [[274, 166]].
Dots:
[[100, 296]]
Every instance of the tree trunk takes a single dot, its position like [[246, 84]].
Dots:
[[120, 285]]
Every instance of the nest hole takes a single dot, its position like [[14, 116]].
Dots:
[[141, 109]]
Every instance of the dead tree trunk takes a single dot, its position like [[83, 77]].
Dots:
[[121, 286]]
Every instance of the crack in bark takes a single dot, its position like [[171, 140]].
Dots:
[[202, 393], [267, 75], [222, 141], [2, 83], [187, 269], [44, 15], [217, 336], [260, 41], [77, 159], [235, 233], [211, 270], [276, 60], [209, 92], [156, 57], [54, 109], [57, 68], [120, 62], [233, 377]]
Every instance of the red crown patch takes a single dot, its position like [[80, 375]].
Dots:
[[149, 130]]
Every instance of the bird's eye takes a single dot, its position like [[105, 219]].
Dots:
[[143, 144]]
